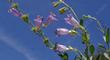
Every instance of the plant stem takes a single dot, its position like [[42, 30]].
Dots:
[[71, 9], [108, 46], [99, 24], [30, 23]]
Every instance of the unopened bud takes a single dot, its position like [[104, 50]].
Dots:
[[63, 10], [70, 47], [73, 32], [25, 18], [34, 29], [55, 4], [15, 5]]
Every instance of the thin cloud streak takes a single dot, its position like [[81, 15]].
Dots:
[[18, 47], [101, 9]]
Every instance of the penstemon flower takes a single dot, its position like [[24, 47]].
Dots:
[[62, 48], [51, 18], [38, 22], [62, 31], [72, 21], [15, 12]]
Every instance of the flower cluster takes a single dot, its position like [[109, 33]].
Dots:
[[40, 22]]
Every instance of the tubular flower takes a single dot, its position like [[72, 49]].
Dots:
[[72, 21], [15, 12], [38, 22], [62, 48], [62, 31], [51, 18]]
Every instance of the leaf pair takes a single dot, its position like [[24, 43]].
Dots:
[[106, 36]]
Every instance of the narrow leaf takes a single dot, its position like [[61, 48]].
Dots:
[[107, 36], [92, 49], [81, 22], [85, 37], [63, 56]]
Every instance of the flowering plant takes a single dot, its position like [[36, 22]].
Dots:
[[77, 28]]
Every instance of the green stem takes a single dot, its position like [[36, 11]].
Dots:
[[99, 24], [30, 23], [71, 9], [108, 46]]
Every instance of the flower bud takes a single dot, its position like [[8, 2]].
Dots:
[[55, 4], [25, 18], [44, 25], [15, 5], [34, 29], [63, 10], [70, 47], [15, 12], [61, 0], [72, 32]]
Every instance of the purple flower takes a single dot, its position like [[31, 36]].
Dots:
[[15, 12], [72, 21], [38, 21], [61, 48], [51, 18], [62, 31]]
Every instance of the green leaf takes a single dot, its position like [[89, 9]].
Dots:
[[85, 37], [91, 49], [64, 56], [81, 22], [107, 36], [101, 46]]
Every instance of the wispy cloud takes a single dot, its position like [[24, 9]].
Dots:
[[10, 41], [101, 9]]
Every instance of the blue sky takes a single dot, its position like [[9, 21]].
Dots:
[[18, 42]]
